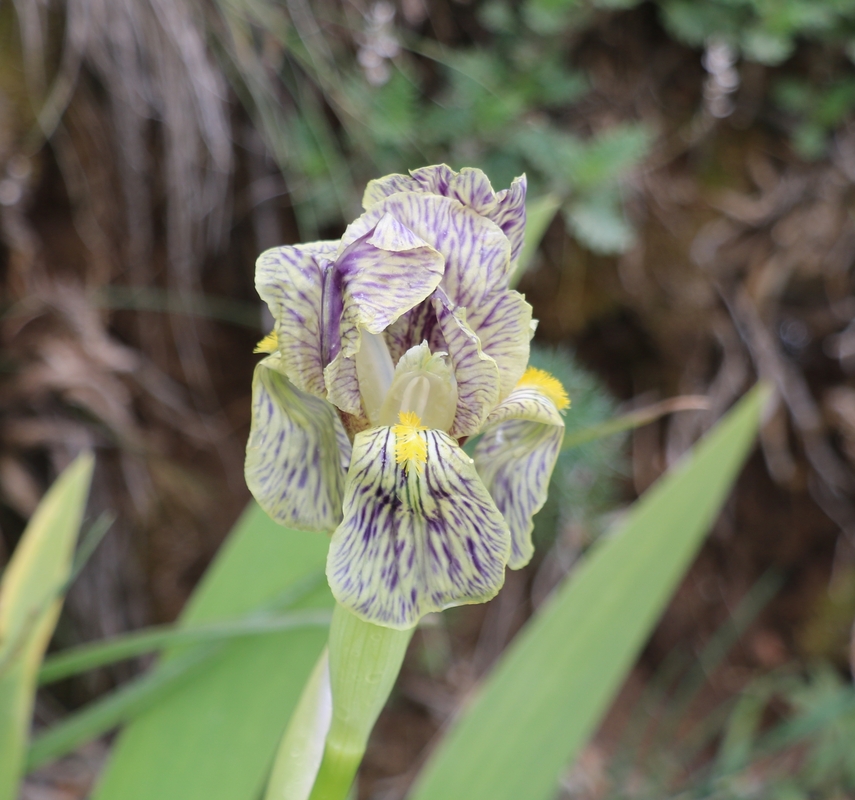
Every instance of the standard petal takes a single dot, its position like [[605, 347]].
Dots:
[[471, 187], [290, 280], [414, 541], [477, 374], [509, 214], [515, 458], [477, 253], [504, 326], [297, 453], [376, 278]]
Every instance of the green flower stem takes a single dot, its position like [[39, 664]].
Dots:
[[364, 661]]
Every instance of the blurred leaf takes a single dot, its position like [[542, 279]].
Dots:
[[30, 602], [539, 213], [550, 689], [598, 223], [610, 154], [216, 737]]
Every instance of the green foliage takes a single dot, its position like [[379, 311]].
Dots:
[[31, 595], [760, 31], [217, 734], [815, 113], [552, 686], [494, 106]]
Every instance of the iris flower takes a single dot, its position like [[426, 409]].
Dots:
[[391, 348]]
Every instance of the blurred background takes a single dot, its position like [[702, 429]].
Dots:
[[692, 166]]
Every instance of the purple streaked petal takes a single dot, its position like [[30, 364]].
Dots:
[[509, 215], [380, 275], [476, 251], [290, 280], [503, 324], [471, 187], [477, 374], [515, 458], [297, 453], [414, 542]]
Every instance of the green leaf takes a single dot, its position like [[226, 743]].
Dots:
[[552, 687], [599, 224], [539, 213], [30, 602], [216, 736]]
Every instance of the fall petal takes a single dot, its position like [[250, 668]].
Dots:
[[515, 458], [297, 453], [414, 540]]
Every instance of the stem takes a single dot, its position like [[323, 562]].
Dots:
[[365, 660]]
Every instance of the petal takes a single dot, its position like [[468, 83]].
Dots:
[[471, 187], [503, 324], [415, 541], [477, 374], [509, 214], [297, 453], [290, 280], [477, 252], [377, 277], [515, 458]]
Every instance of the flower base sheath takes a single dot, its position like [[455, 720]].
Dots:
[[390, 348]]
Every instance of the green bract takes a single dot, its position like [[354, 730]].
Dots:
[[390, 347]]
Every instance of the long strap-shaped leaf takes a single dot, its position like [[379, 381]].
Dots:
[[30, 601], [552, 687]]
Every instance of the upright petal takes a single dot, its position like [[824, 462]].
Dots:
[[477, 374], [471, 187], [477, 253], [377, 277], [515, 458], [290, 280], [504, 326], [509, 214], [415, 540], [297, 453]]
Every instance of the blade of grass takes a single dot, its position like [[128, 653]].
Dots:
[[551, 688], [30, 602], [216, 737], [634, 419], [87, 657]]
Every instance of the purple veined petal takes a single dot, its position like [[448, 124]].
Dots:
[[477, 374], [297, 454], [476, 251], [290, 280], [515, 458], [417, 325], [412, 541], [379, 276], [381, 188], [509, 214], [504, 326], [471, 187]]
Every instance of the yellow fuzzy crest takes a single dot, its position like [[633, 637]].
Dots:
[[410, 448], [546, 384], [269, 344]]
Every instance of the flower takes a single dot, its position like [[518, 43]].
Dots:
[[390, 348]]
